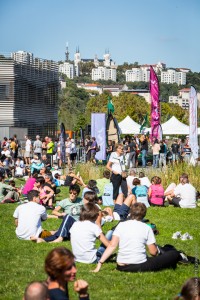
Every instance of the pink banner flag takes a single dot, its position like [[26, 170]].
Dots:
[[156, 131]]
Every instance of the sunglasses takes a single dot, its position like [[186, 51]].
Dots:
[[70, 267], [73, 193]]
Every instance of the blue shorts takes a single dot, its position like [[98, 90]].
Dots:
[[122, 210]]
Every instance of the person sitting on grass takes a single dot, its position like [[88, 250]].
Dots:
[[190, 290], [60, 268], [140, 192], [91, 186], [69, 206], [83, 235], [156, 192], [28, 218], [183, 195], [122, 207], [36, 290], [46, 193], [144, 180], [101, 182], [8, 193], [63, 233], [29, 185], [132, 237], [72, 179]]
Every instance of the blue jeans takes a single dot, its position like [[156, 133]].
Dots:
[[155, 160], [144, 158], [102, 248]]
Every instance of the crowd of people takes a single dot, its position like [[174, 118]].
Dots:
[[82, 214]]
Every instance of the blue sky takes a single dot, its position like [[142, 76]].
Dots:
[[146, 31]]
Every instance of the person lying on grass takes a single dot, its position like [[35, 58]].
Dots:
[[28, 217], [132, 237], [60, 268], [83, 235]]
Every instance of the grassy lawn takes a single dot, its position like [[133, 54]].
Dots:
[[22, 261]]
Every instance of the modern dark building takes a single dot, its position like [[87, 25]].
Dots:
[[29, 93]]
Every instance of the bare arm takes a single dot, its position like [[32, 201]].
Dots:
[[153, 250], [56, 212], [109, 250], [149, 192], [104, 240], [16, 222]]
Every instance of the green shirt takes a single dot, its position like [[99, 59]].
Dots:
[[71, 208], [4, 186], [50, 147], [101, 184]]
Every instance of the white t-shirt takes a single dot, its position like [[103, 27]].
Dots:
[[7, 152], [68, 146], [133, 238], [145, 181], [118, 163], [28, 145], [187, 193], [29, 217], [129, 181], [83, 237]]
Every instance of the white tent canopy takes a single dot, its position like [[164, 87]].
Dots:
[[128, 126], [174, 126]]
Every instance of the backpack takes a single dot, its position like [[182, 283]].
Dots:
[[107, 196], [98, 148]]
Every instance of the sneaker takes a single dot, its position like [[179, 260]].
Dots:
[[186, 236], [176, 235]]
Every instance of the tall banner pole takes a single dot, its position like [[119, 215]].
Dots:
[[156, 130], [193, 129], [62, 145]]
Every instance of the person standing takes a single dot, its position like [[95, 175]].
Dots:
[[132, 153], [68, 150], [175, 151], [116, 165], [37, 146], [50, 149], [73, 152], [163, 154], [93, 149], [28, 148], [156, 150], [17, 146], [144, 149]]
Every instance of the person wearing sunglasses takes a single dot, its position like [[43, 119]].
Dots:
[[71, 205], [60, 268]]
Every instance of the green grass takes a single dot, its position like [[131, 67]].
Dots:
[[23, 261]]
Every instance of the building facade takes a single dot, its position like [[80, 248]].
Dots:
[[29, 95], [137, 74], [172, 76], [103, 73], [67, 69]]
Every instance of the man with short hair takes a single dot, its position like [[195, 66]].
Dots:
[[37, 147], [28, 217], [36, 290]]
